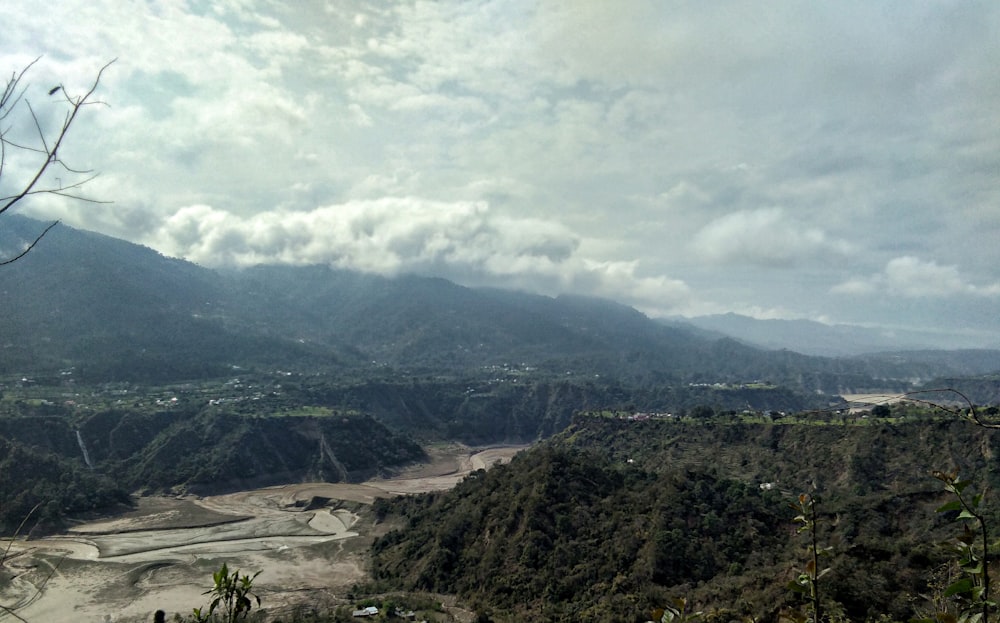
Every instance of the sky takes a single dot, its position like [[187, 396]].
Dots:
[[837, 161]]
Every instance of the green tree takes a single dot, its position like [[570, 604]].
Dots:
[[881, 411], [233, 596], [702, 412]]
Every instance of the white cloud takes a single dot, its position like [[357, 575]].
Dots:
[[624, 149], [911, 277], [461, 240], [764, 237], [857, 287]]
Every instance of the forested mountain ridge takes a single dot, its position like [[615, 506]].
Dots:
[[117, 311], [611, 519], [563, 535], [76, 462], [258, 430]]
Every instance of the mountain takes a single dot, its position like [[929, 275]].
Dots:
[[113, 310], [815, 338], [116, 310]]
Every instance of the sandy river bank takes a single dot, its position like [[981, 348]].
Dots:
[[307, 538]]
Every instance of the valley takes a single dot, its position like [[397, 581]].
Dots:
[[338, 432], [309, 540], [341, 493]]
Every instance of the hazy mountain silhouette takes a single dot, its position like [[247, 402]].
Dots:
[[116, 310]]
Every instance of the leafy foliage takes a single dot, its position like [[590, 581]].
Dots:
[[612, 519], [57, 486], [226, 451], [676, 612], [232, 595], [807, 582], [567, 535], [196, 448], [972, 590]]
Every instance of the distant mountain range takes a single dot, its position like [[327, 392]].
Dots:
[[113, 310], [815, 338]]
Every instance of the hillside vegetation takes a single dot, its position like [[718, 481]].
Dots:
[[70, 463], [612, 519]]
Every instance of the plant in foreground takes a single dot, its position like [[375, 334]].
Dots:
[[676, 613], [807, 582], [972, 590], [233, 594]]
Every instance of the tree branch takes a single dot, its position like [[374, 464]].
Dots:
[[31, 246], [47, 147]]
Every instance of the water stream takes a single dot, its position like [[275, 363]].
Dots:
[[83, 446]]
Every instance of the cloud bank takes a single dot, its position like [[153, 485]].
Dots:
[[911, 277], [463, 241], [766, 238], [677, 157]]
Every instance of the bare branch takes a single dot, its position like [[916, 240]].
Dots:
[[972, 415], [41, 586], [13, 613], [30, 246], [968, 412], [20, 526], [80, 198], [41, 132], [7, 105], [52, 152], [62, 190], [47, 147], [6, 556], [24, 147]]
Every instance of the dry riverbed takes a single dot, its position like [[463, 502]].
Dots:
[[309, 540]]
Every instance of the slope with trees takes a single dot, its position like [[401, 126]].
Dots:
[[73, 463], [612, 519]]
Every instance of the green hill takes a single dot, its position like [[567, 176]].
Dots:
[[89, 462], [611, 519]]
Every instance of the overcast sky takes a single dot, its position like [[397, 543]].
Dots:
[[834, 161]]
